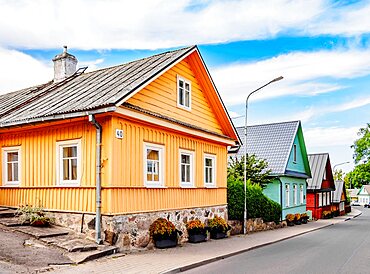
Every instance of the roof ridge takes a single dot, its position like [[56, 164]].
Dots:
[[276, 123], [137, 60]]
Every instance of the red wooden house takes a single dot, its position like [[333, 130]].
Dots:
[[321, 184]]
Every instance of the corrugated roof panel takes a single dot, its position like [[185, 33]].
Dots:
[[271, 142], [318, 168]]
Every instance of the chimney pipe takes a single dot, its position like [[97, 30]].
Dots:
[[64, 65]]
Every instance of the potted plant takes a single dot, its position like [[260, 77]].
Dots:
[[289, 219], [297, 219], [34, 216], [163, 233], [304, 218], [327, 214], [218, 228], [196, 231]]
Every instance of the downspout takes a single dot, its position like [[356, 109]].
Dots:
[[98, 127], [281, 197]]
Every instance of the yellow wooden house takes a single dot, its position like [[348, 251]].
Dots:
[[136, 141]]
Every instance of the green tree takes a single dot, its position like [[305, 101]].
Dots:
[[338, 175], [257, 171], [362, 145], [359, 176]]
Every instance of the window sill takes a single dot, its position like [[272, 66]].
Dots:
[[187, 186], [210, 186], [155, 186]]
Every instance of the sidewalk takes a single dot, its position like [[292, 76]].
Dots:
[[191, 255]]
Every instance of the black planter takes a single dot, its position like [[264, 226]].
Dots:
[[289, 223], [197, 238], [165, 243], [298, 222], [304, 221], [218, 235]]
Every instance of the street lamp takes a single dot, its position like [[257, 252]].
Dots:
[[340, 165], [245, 148]]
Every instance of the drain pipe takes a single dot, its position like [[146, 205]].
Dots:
[[98, 127]]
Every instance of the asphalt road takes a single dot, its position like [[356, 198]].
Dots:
[[341, 248]]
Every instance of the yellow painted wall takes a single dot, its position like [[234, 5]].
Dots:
[[160, 96]]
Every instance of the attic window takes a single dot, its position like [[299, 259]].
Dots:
[[183, 93], [294, 153]]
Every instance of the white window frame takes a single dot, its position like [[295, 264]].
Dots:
[[294, 153], [59, 154], [180, 78], [320, 199], [161, 150], [5, 151], [191, 156], [287, 195], [301, 194], [295, 194], [214, 165]]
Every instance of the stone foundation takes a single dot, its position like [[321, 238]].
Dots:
[[253, 225], [131, 231]]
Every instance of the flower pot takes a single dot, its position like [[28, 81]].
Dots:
[[304, 221], [218, 235], [298, 222], [197, 238], [289, 223], [40, 223], [165, 243]]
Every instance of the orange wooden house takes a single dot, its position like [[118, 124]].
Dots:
[[129, 143]]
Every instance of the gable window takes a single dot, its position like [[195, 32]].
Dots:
[[11, 166], [209, 170], [295, 193], [183, 93], [287, 195], [153, 165], [294, 153], [186, 168], [69, 162], [301, 194]]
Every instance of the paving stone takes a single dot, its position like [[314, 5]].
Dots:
[[42, 232], [10, 221]]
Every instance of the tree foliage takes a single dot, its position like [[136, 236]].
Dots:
[[362, 145], [359, 176], [338, 175], [257, 171]]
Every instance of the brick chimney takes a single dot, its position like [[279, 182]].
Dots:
[[64, 65]]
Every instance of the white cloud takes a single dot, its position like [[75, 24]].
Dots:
[[147, 24], [91, 65], [19, 70], [303, 72]]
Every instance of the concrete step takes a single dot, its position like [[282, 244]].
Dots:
[[7, 213], [42, 232], [10, 222], [71, 243], [102, 251]]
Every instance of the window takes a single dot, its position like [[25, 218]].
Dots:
[[320, 199], [327, 198], [295, 193], [287, 194], [11, 166], [294, 153], [301, 194], [69, 162], [186, 168], [183, 93], [209, 170], [153, 165]]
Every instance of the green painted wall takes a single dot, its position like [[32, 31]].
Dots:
[[299, 208], [298, 165], [272, 190]]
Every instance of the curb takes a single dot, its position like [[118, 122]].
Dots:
[[211, 260]]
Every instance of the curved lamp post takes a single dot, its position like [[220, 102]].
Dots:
[[245, 148]]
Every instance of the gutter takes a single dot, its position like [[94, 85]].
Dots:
[[98, 127]]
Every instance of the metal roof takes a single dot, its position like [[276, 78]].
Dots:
[[84, 91], [271, 142], [318, 168], [337, 194]]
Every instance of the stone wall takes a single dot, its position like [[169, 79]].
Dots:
[[253, 225], [131, 231]]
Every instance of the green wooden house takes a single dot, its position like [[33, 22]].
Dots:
[[283, 147]]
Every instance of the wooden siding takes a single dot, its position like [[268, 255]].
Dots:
[[161, 96]]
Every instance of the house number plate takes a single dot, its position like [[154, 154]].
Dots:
[[119, 133]]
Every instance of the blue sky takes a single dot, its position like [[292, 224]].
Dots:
[[321, 47]]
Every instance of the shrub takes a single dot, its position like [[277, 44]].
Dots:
[[33, 215], [258, 205], [162, 229], [218, 224], [195, 227]]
